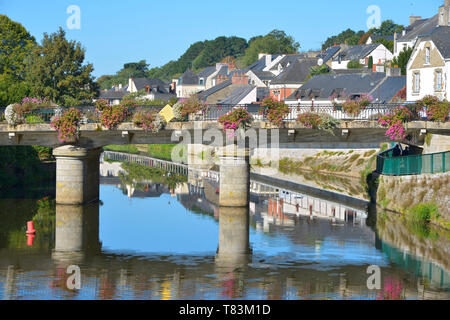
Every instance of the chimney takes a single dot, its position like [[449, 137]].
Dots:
[[444, 14], [395, 43], [393, 72], [120, 86], [413, 19], [261, 55], [268, 59]]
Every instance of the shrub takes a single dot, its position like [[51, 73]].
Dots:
[[274, 111], [436, 110], [112, 116], [192, 105], [328, 123], [101, 104], [11, 116], [178, 112], [149, 120], [238, 118], [352, 107], [423, 213], [67, 125], [310, 119]]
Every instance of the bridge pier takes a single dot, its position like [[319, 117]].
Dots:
[[77, 229], [234, 177], [77, 175], [234, 245]]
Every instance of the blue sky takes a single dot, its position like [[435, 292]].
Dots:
[[116, 32]]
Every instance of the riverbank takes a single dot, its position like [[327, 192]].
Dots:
[[409, 194]]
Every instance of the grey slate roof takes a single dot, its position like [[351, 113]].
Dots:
[[388, 89], [419, 28], [288, 60], [113, 94], [205, 94], [205, 73], [189, 78], [375, 37], [260, 64], [329, 53], [441, 38], [324, 85], [297, 72], [356, 52], [141, 83], [264, 75], [237, 95]]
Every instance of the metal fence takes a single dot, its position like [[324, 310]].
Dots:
[[213, 112], [390, 164]]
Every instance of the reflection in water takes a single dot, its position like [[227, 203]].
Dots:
[[176, 243]]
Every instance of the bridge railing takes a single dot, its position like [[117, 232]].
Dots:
[[388, 163], [213, 112]]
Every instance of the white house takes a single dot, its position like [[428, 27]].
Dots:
[[379, 53], [428, 70]]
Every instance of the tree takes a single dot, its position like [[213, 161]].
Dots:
[[387, 43], [12, 90], [275, 42], [15, 47], [387, 28], [57, 72], [314, 71], [348, 36], [370, 63], [402, 60]]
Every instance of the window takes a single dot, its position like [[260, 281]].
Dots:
[[202, 81], [427, 55], [438, 80], [416, 82]]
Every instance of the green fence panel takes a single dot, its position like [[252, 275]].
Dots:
[[412, 165]]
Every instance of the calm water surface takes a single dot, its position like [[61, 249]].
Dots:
[[148, 241]]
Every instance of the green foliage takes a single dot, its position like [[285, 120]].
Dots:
[[129, 70], [57, 71], [136, 173], [200, 55], [309, 119], [402, 60], [192, 105], [315, 71], [275, 42], [387, 28], [423, 213], [354, 64], [12, 90], [389, 44], [370, 63], [20, 167], [348, 36], [15, 47]]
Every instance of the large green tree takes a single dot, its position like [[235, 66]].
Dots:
[[57, 71], [16, 44], [275, 42]]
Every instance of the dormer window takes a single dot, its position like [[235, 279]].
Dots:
[[201, 81], [427, 55], [147, 89]]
